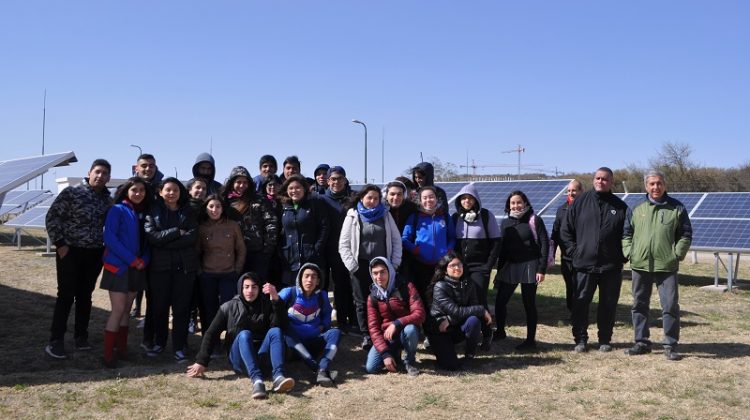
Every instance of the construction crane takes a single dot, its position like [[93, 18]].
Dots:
[[518, 150]]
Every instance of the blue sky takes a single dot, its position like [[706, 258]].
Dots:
[[579, 84]]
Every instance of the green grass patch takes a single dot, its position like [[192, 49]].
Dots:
[[209, 402], [431, 401]]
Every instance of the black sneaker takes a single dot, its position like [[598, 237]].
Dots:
[[259, 391], [486, 341], [179, 357], [366, 343], [581, 348], [135, 313], [605, 347], [56, 350], [671, 354], [155, 351], [526, 346], [82, 344], [499, 335], [324, 378], [147, 346], [638, 349], [411, 370], [283, 384]]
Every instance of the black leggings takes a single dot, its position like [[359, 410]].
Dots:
[[528, 294]]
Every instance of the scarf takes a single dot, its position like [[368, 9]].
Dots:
[[232, 195], [371, 215], [519, 214], [338, 196]]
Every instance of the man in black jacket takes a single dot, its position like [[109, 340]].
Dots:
[[591, 235], [566, 263], [252, 320]]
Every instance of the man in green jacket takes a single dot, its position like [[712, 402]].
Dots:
[[656, 237]]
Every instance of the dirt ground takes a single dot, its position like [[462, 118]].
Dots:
[[711, 382]]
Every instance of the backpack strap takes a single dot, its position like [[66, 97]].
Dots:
[[532, 225], [485, 214]]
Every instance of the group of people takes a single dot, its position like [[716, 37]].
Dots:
[[256, 257]]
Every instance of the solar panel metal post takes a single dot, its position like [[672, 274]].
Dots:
[[730, 273]]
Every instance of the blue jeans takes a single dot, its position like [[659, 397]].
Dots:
[[244, 358], [328, 340], [407, 340]]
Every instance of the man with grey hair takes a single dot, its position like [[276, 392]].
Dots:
[[592, 235], [656, 237]]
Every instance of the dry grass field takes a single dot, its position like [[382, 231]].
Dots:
[[713, 381]]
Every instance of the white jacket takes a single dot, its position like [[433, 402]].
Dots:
[[349, 240]]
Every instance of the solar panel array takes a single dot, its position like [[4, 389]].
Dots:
[[17, 202], [34, 217], [13, 173]]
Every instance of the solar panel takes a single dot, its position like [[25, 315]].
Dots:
[[13, 173], [540, 193], [34, 217], [721, 234], [451, 189], [689, 200], [16, 202], [724, 205]]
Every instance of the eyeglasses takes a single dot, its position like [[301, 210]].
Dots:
[[455, 266], [336, 178]]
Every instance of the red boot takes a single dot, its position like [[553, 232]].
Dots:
[[109, 348]]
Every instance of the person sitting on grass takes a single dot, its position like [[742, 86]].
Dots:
[[394, 315], [309, 326], [252, 321], [455, 313]]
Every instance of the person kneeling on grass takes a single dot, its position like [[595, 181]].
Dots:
[[252, 321], [309, 326], [394, 315]]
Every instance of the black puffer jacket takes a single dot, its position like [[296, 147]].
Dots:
[[237, 315], [172, 250], [454, 300], [304, 233], [592, 232], [256, 216]]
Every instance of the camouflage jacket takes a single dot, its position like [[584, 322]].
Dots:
[[76, 217]]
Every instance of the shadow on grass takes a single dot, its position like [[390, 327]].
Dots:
[[714, 350]]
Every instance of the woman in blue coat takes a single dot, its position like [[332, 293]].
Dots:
[[125, 259]]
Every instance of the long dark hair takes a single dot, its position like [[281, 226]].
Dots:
[[204, 214], [520, 194], [183, 191], [282, 194], [122, 192], [247, 197], [441, 269]]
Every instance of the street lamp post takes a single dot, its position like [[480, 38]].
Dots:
[[365, 126], [140, 152]]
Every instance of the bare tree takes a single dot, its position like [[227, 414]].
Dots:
[[444, 171]]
